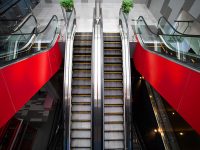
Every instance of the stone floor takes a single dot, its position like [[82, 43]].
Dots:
[[84, 12]]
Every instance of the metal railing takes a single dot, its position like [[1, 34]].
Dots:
[[124, 31], [97, 79], [70, 32]]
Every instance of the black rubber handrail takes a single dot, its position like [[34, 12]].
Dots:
[[25, 21], [53, 17], [36, 32], [190, 21], [141, 18], [182, 34]]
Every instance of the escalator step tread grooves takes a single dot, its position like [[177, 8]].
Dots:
[[113, 92], [81, 92]]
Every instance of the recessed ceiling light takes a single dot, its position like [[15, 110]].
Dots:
[[181, 133]]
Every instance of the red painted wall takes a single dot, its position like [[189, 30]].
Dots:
[[176, 83], [21, 80]]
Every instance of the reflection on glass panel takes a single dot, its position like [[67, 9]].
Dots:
[[26, 40], [173, 45]]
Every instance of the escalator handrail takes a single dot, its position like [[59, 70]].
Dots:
[[142, 43], [31, 41], [175, 30], [20, 26], [97, 79], [35, 32], [141, 18], [53, 17], [173, 35], [67, 82], [124, 31]]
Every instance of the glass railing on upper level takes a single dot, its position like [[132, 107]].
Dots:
[[178, 28], [27, 41], [182, 48], [8, 27]]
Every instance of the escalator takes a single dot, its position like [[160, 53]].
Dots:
[[114, 137], [81, 102], [170, 62], [176, 46], [97, 112], [33, 54], [27, 40]]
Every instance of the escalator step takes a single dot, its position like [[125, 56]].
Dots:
[[113, 101], [113, 97], [82, 50], [81, 82], [114, 136], [113, 88], [113, 38], [83, 58], [113, 92], [113, 67], [112, 34], [81, 108], [113, 110], [83, 43], [113, 80], [112, 44], [114, 122], [83, 66], [114, 127], [113, 53], [81, 74], [77, 99], [83, 33], [77, 91], [112, 59], [81, 78], [113, 105], [81, 143], [113, 72], [108, 118], [114, 145], [112, 75], [81, 103], [81, 86], [81, 117], [81, 134], [81, 125], [83, 37], [113, 84]]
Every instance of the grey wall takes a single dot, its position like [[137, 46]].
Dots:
[[172, 8]]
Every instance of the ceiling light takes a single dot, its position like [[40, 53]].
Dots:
[[181, 133]]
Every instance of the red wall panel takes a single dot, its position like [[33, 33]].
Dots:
[[176, 83], [21, 80], [7, 108]]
